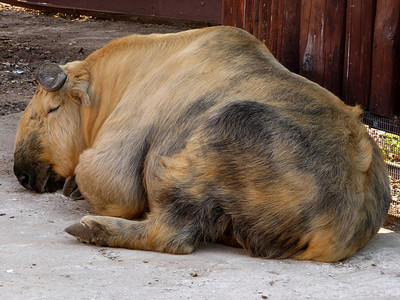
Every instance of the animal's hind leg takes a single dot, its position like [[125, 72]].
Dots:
[[154, 234]]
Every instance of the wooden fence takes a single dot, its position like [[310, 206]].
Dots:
[[351, 47], [193, 12]]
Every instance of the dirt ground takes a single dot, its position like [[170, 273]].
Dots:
[[28, 38], [38, 260]]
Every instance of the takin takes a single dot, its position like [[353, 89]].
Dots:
[[203, 136]]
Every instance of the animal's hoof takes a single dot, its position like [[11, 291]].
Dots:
[[71, 189], [81, 232], [76, 195]]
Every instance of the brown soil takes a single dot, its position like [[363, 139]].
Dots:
[[29, 38]]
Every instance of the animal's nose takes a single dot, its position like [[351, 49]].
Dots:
[[24, 180]]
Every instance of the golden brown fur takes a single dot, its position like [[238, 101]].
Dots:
[[206, 137]]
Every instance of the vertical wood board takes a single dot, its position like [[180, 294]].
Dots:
[[358, 52], [322, 42], [385, 82]]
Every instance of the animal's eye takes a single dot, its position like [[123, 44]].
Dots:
[[53, 109]]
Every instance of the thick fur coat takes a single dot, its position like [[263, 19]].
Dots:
[[200, 136]]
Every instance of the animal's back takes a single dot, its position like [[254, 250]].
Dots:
[[279, 185]]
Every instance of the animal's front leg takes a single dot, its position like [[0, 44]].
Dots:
[[71, 189], [111, 183]]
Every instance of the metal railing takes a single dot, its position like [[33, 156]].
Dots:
[[386, 133]]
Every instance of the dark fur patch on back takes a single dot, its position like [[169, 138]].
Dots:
[[251, 127], [178, 129]]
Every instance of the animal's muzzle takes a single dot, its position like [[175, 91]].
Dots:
[[25, 180], [42, 180]]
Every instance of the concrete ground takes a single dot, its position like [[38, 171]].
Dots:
[[40, 261]]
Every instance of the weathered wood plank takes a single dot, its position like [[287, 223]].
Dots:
[[273, 25], [288, 48], [256, 18], [227, 12], [322, 29], [385, 82], [262, 20], [276, 23], [358, 52], [248, 15], [239, 13]]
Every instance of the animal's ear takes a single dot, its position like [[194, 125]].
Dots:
[[80, 93], [80, 96], [78, 83]]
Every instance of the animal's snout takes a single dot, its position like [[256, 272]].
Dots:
[[25, 180], [25, 177], [38, 177], [29, 177]]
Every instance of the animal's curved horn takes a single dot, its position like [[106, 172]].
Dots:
[[51, 77]]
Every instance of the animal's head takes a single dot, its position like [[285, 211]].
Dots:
[[49, 136]]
